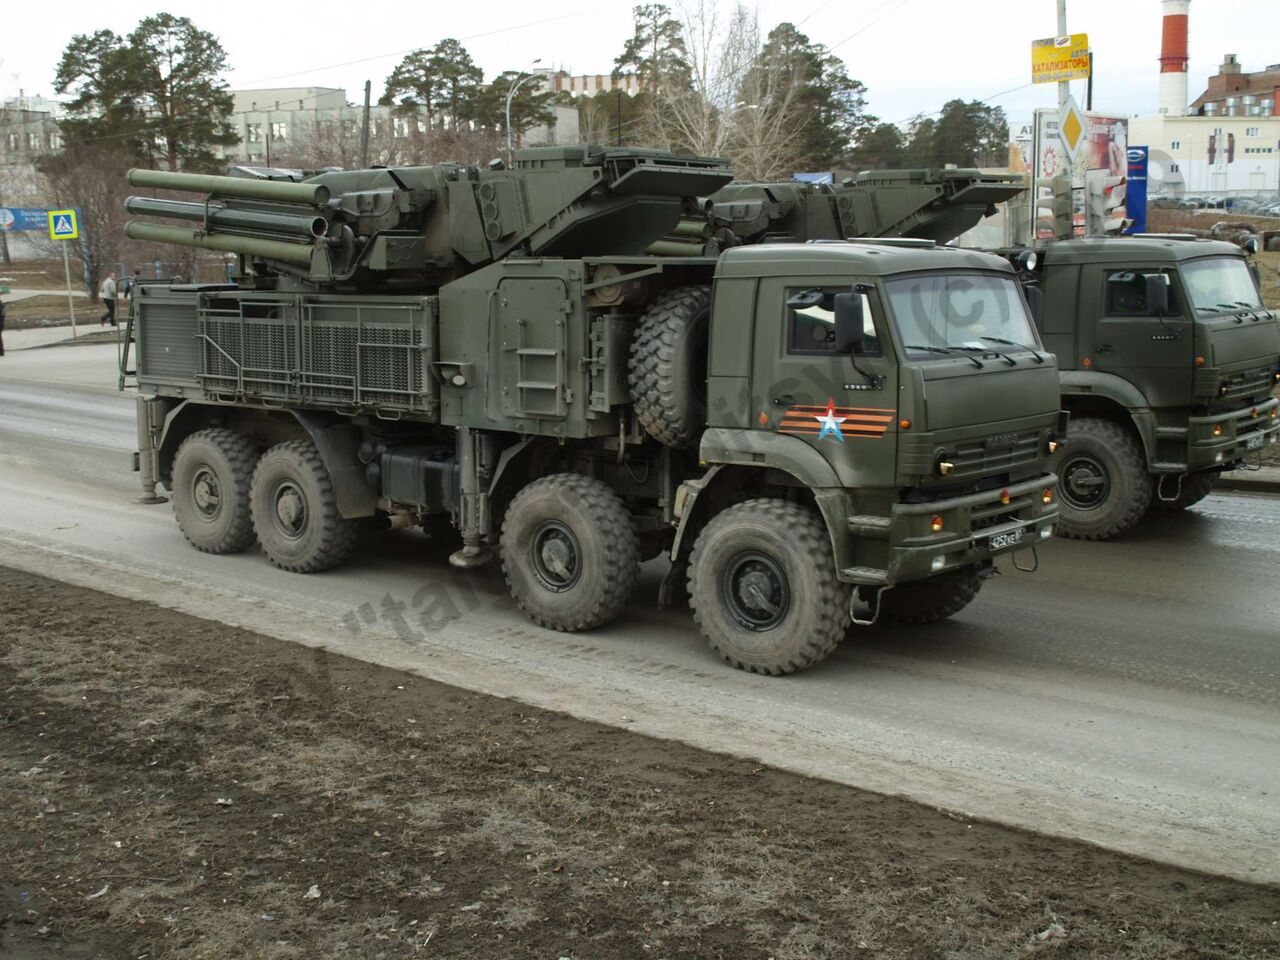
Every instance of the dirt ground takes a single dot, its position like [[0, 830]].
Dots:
[[171, 787], [47, 310]]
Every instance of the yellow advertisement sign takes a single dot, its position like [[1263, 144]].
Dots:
[[1056, 59]]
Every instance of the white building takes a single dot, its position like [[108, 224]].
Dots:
[[1211, 155]]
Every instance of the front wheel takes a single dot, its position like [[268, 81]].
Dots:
[[569, 552], [934, 599], [295, 510], [763, 587], [1104, 488]]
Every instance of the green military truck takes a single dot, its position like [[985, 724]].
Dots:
[[1168, 360], [1167, 356], [813, 434]]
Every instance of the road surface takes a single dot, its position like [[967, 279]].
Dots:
[[1127, 693]]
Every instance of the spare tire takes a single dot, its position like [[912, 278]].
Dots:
[[668, 369]]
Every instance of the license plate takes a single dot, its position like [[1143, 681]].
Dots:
[[1254, 442], [1002, 540]]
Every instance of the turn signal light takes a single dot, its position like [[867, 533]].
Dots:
[[1047, 496], [1053, 446], [1087, 362], [936, 523], [1217, 429], [1004, 497], [945, 467], [1255, 411], [1275, 414], [1199, 361], [1278, 378], [1222, 390], [904, 424]]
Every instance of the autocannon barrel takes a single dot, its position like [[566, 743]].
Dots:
[[227, 218], [229, 243], [311, 194]]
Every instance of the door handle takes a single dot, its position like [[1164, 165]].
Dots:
[[784, 398], [1103, 348]]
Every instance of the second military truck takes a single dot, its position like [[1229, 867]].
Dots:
[[813, 434]]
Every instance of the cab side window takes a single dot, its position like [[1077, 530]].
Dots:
[[811, 323], [1127, 294]]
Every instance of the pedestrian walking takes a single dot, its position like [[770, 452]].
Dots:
[[1, 328], [107, 292]]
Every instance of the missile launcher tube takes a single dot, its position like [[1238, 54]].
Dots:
[[228, 243], [225, 218], [309, 194]]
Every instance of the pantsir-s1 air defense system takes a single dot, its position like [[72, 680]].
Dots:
[[526, 360]]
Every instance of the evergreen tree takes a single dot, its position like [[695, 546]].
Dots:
[[656, 51], [833, 104], [444, 82], [882, 147], [158, 90]]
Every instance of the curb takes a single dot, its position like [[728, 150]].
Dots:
[[1248, 484]]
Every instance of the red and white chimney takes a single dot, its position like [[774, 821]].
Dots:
[[1172, 97]]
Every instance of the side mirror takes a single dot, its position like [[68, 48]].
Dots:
[[849, 323], [1157, 294], [1035, 300]]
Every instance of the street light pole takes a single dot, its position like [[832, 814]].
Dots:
[[511, 94]]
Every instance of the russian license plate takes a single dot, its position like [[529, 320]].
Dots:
[[1002, 540], [1254, 442]]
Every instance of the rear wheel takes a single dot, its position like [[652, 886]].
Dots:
[[211, 476], [295, 510], [763, 588], [934, 599], [569, 552], [1194, 488], [1104, 488]]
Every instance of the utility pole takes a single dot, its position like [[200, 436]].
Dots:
[[620, 96], [510, 95], [364, 129], [1064, 87]]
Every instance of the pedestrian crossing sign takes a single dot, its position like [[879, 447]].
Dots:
[[62, 225]]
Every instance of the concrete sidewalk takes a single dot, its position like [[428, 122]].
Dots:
[[32, 337], [1263, 480]]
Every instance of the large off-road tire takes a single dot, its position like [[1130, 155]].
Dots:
[[931, 600], [1195, 487], [569, 552], [210, 486], [763, 587], [1103, 488], [295, 510], [668, 369]]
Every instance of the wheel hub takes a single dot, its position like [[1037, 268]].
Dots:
[[756, 591], [1085, 483], [290, 512], [556, 556], [206, 494]]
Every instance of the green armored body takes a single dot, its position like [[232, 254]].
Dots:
[[811, 434]]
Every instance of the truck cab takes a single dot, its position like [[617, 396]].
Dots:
[[1169, 359], [903, 385]]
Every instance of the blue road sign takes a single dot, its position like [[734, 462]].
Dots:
[[1135, 195]]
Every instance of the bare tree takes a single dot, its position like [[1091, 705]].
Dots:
[[736, 102]]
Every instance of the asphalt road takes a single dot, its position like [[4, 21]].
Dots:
[[1126, 693]]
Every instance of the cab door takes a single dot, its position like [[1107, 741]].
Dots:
[[802, 387], [1151, 351]]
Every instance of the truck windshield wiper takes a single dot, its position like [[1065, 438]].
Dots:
[[1020, 346], [950, 352]]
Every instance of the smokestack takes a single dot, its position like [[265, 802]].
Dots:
[[1172, 98]]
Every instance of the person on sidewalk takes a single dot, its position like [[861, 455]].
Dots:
[[107, 293], [1, 328]]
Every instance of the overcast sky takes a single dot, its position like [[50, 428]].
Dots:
[[912, 54]]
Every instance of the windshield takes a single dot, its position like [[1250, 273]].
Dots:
[[959, 312], [1220, 283]]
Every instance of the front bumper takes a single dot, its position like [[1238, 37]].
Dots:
[[1223, 439], [976, 528]]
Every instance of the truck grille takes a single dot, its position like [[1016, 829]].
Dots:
[[1243, 385], [998, 454]]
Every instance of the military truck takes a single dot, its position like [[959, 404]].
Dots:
[[1168, 360], [1167, 356], [814, 434]]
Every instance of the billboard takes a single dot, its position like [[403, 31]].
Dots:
[[1057, 59]]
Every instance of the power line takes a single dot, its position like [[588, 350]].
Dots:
[[826, 3], [474, 36], [864, 29]]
